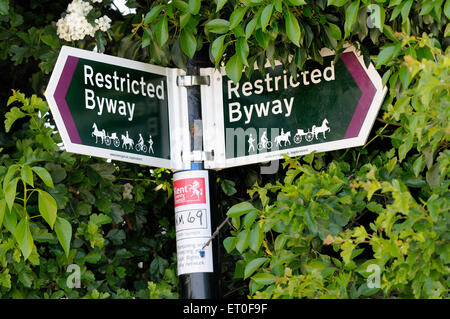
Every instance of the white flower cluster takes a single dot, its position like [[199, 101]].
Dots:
[[74, 26], [103, 23], [127, 188]]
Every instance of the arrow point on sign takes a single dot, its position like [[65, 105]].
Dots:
[[367, 88], [60, 98]]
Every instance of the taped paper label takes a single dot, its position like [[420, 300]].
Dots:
[[192, 221]]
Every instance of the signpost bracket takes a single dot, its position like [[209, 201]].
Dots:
[[193, 80], [200, 156]]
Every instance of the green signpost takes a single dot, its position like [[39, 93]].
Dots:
[[136, 112], [119, 109], [131, 111], [327, 107]]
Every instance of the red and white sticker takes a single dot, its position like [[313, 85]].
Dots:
[[189, 191], [192, 221]]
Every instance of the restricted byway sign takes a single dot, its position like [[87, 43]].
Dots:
[[327, 107], [119, 109]]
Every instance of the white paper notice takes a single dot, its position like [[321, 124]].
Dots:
[[192, 221]]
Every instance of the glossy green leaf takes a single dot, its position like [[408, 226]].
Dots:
[[217, 48], [253, 265], [220, 4], [296, 2], [388, 53], [146, 37], [387, 31], [394, 3], [63, 231], [404, 148], [243, 50], [10, 173], [263, 39], [266, 15], [447, 30], [229, 243], [337, 3], [10, 220], [447, 9], [256, 238], [292, 27], [405, 76], [100, 42], [2, 211], [240, 209], [181, 5], [10, 192], [264, 278], [24, 238], [397, 10], [13, 115], [347, 251], [51, 40], [280, 241], [242, 241], [44, 175], [219, 26], [162, 31], [27, 175], [237, 16], [386, 77], [250, 27], [184, 20], [335, 31], [234, 68], [405, 10], [278, 5], [100, 219], [350, 17], [47, 207], [188, 43], [250, 217], [418, 165], [228, 187], [152, 14], [194, 6]]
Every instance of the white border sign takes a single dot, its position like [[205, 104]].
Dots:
[[214, 130], [177, 110]]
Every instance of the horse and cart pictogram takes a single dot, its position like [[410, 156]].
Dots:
[[127, 142], [309, 135]]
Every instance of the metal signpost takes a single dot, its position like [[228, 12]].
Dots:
[[195, 217], [130, 111]]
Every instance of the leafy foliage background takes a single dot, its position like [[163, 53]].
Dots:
[[310, 230]]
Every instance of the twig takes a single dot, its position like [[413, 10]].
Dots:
[[231, 225], [216, 232], [234, 290], [390, 123], [357, 161]]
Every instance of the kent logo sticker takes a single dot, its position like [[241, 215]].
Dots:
[[189, 191]]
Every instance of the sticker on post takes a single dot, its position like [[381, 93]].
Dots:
[[192, 222]]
